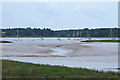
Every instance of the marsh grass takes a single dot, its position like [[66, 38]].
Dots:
[[101, 41], [14, 69]]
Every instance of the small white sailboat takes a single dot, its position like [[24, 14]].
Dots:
[[68, 38], [58, 39], [74, 39], [88, 36], [77, 37], [41, 38]]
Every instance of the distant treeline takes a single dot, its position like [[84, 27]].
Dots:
[[46, 32]]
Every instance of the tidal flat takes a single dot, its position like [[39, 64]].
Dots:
[[100, 56]]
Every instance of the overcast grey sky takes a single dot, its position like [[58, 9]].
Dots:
[[56, 15]]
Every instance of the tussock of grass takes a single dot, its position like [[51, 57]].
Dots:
[[101, 41], [5, 42], [14, 69]]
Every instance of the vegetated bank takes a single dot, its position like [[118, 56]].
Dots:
[[101, 41], [47, 32], [14, 69]]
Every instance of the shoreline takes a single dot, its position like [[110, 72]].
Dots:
[[101, 41], [77, 54], [91, 63], [42, 70]]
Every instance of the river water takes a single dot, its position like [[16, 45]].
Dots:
[[99, 56]]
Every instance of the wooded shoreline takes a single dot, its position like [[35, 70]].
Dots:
[[46, 32]]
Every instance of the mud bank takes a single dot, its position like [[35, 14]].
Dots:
[[100, 55]]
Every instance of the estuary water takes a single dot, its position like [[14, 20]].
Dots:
[[64, 52]]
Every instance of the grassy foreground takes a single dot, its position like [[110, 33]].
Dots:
[[5, 42], [101, 41], [14, 69]]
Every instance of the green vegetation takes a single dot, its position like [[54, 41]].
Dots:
[[101, 41], [5, 42], [37, 32], [14, 69]]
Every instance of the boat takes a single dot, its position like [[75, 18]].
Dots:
[[77, 36], [17, 35], [68, 38], [88, 36], [41, 38], [59, 39], [111, 35]]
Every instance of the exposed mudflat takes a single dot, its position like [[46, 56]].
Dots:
[[67, 50], [98, 55]]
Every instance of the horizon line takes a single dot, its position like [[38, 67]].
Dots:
[[58, 29]]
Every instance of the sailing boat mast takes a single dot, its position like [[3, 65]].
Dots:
[[88, 35], [77, 33], [73, 35], [17, 32], [58, 38], [111, 34], [41, 37], [81, 34]]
